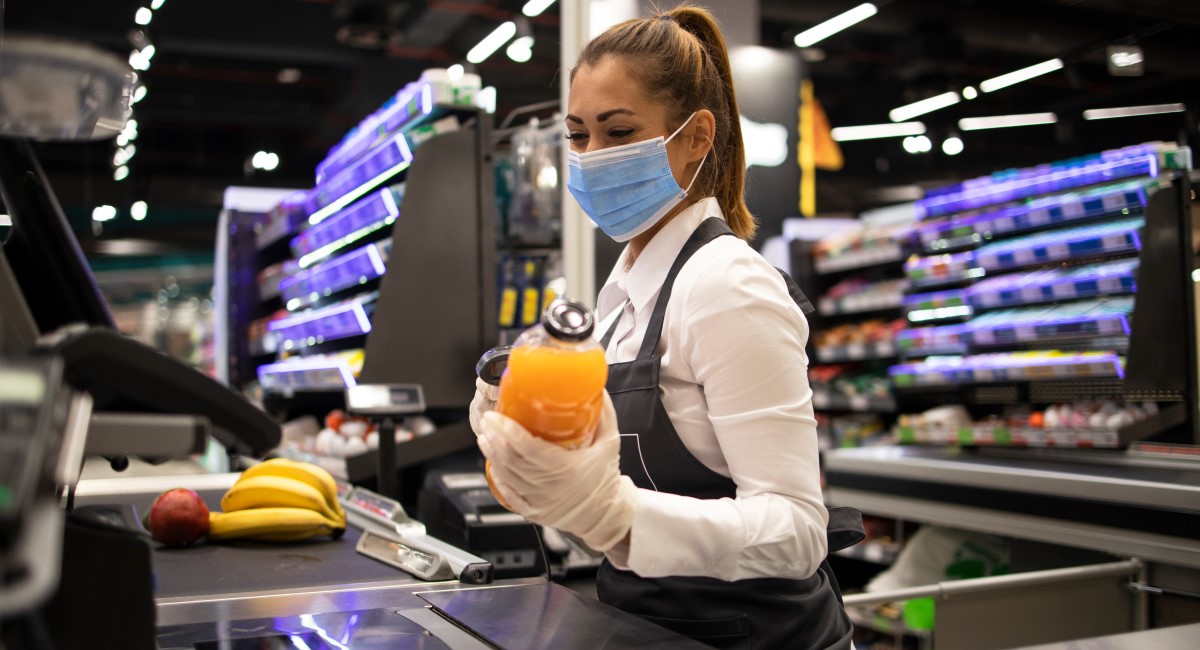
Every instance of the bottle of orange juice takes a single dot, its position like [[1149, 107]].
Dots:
[[554, 382]]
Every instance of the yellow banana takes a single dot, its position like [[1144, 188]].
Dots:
[[276, 491], [270, 524], [313, 475]]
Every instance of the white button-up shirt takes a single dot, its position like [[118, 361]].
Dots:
[[734, 381]]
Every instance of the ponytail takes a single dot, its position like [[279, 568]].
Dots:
[[681, 59]]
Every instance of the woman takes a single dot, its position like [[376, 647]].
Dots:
[[710, 516]]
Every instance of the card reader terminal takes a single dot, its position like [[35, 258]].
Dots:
[[34, 405]]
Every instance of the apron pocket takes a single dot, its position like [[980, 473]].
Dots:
[[731, 627]]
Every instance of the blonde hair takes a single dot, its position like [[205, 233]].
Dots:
[[681, 59]]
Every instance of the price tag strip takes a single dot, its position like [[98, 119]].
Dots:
[[390, 536]]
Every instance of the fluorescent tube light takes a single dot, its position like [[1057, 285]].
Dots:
[[492, 42], [873, 131], [1132, 111], [1005, 121], [1017, 76], [909, 111], [536, 7], [818, 33]]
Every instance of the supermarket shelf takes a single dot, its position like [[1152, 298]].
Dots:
[[879, 254], [320, 325], [1089, 326], [856, 352], [1053, 211], [1096, 280], [1114, 238], [825, 400], [364, 175], [1006, 436], [352, 269], [1007, 367], [1141, 160], [860, 304], [942, 270], [348, 226], [315, 374]]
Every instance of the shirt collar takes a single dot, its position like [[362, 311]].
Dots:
[[643, 282]]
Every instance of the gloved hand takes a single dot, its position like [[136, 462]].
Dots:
[[579, 491], [484, 401]]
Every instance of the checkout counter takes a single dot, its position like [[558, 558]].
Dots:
[[325, 594]]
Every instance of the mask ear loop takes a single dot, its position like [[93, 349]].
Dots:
[[697, 174]]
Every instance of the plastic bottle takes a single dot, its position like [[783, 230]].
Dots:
[[554, 381]]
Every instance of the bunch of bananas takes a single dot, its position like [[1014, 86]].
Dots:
[[279, 500]]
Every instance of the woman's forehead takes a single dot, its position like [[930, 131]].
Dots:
[[607, 86]]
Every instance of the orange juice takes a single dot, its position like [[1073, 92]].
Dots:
[[554, 391], [554, 383]]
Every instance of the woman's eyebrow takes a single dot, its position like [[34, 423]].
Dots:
[[602, 116]]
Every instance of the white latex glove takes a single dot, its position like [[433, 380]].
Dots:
[[484, 401], [579, 491]]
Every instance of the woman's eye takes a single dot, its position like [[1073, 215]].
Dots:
[[577, 137], [617, 134]]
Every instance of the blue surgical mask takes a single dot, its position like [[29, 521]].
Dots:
[[629, 188]]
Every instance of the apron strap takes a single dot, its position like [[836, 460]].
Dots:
[[845, 528], [709, 229], [607, 338]]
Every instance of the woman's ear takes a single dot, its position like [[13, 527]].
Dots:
[[703, 129]]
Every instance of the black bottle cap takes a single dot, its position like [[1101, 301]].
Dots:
[[567, 320]]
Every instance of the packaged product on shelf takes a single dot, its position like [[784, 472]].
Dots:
[[854, 295], [1091, 423]]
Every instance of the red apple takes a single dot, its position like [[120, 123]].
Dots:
[[178, 517]]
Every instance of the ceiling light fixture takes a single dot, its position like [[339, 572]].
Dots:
[[1132, 111], [455, 72], [265, 160], [874, 131], [918, 144], [121, 173], [822, 31], [138, 210], [492, 42], [5, 220], [1017, 76], [929, 105], [952, 146], [969, 92], [1005, 121], [138, 61], [521, 48], [143, 16], [157, 4], [536, 7], [104, 213], [138, 95]]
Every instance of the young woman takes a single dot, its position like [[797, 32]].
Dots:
[[702, 484]]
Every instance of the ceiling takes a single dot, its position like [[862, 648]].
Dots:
[[216, 95]]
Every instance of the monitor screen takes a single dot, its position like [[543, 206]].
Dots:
[[43, 253]]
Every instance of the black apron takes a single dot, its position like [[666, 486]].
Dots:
[[753, 613]]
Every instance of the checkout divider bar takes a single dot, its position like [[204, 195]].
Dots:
[[947, 590]]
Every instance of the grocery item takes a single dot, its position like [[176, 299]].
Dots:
[[271, 525], [554, 381], [178, 517], [279, 501], [555, 378]]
